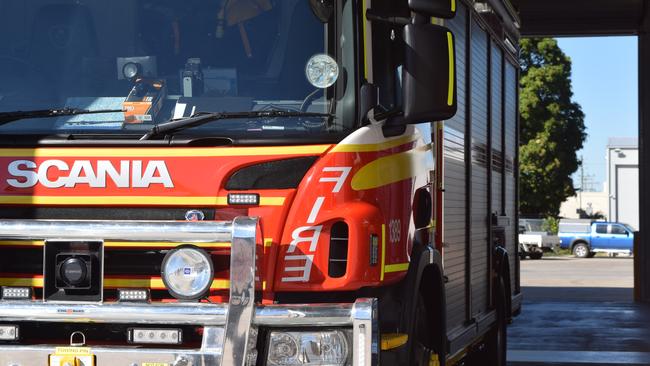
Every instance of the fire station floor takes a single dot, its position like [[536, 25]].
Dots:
[[580, 326]]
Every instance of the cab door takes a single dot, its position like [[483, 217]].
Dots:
[[600, 237], [619, 237]]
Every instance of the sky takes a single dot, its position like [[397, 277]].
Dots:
[[604, 80]]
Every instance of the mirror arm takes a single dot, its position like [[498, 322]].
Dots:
[[367, 100], [373, 17], [421, 19], [389, 115]]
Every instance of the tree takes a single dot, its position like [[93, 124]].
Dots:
[[552, 128]]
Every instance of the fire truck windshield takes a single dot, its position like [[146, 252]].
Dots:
[[152, 61]]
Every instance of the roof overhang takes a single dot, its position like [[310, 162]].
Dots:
[[579, 17]]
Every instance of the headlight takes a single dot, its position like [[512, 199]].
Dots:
[[322, 71], [131, 70], [324, 348], [187, 272]]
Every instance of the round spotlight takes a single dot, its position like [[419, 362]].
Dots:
[[322, 71], [187, 272], [131, 70]]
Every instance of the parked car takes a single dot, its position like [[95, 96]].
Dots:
[[534, 240], [585, 238]]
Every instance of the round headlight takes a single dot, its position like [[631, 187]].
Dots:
[[187, 272], [130, 70], [322, 71]]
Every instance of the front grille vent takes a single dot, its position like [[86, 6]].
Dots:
[[338, 260]]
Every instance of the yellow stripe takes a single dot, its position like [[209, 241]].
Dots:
[[400, 267], [365, 39], [450, 93], [125, 244], [383, 251], [374, 147], [110, 282], [390, 169], [453, 6], [119, 244], [154, 283], [28, 282], [164, 152], [128, 200], [271, 201], [140, 244]]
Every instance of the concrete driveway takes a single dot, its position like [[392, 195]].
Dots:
[[579, 312], [575, 279]]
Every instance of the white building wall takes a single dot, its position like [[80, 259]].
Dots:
[[596, 201], [623, 180]]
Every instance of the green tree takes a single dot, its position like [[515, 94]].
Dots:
[[552, 128]]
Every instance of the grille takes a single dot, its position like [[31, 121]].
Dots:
[[21, 264], [126, 264]]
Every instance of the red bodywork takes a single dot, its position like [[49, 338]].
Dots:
[[295, 223]]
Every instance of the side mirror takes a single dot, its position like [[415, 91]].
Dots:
[[428, 74], [434, 8]]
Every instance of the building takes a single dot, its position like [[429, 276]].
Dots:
[[622, 180], [590, 202]]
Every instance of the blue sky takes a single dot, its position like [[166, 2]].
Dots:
[[604, 78]]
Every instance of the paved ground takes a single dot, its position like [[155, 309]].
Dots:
[[573, 279], [579, 312]]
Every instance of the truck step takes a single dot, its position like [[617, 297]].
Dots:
[[577, 358], [393, 340]]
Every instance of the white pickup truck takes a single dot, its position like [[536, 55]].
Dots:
[[533, 241]]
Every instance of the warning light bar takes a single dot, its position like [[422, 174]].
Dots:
[[155, 336], [8, 332], [133, 295], [243, 199], [16, 293]]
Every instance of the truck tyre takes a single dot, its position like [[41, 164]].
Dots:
[[497, 338], [581, 250], [536, 255], [522, 252], [421, 351]]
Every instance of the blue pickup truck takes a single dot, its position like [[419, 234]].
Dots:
[[585, 238]]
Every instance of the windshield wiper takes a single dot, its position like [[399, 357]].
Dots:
[[199, 119], [6, 117]]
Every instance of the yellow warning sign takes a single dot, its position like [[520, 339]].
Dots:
[[75, 351]]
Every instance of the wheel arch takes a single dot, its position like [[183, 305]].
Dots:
[[426, 272], [576, 241]]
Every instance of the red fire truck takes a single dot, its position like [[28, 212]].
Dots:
[[257, 182]]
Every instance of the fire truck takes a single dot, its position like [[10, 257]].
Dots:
[[257, 182]]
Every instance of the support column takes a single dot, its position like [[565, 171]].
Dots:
[[642, 257]]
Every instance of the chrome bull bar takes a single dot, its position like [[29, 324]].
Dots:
[[227, 326]]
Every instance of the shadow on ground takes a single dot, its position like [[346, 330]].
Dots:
[[577, 294], [580, 326]]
